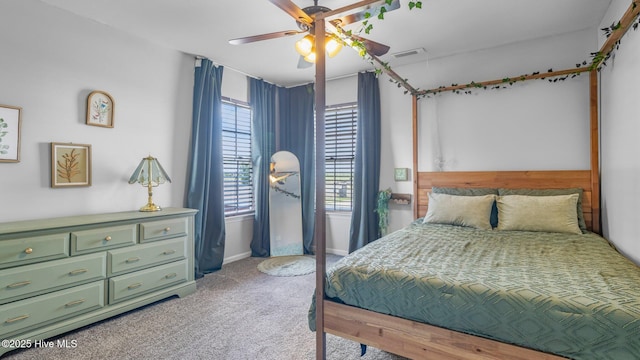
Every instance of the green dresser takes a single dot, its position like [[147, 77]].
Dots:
[[60, 274]]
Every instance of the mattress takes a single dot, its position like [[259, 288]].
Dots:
[[571, 295]]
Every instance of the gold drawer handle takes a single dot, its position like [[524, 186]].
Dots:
[[28, 250], [74, 303], [134, 286], [22, 317], [169, 252], [108, 238], [167, 229], [19, 284], [170, 276], [78, 272], [132, 260]]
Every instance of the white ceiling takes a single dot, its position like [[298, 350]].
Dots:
[[441, 27]]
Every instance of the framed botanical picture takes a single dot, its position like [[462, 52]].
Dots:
[[70, 165], [10, 118], [100, 108]]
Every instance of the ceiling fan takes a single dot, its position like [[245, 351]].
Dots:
[[305, 20]]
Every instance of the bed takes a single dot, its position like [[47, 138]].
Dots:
[[558, 292], [407, 336], [463, 292]]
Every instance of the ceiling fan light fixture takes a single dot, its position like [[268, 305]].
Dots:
[[311, 57], [332, 46], [304, 46]]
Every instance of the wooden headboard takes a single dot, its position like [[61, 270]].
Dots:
[[513, 180]]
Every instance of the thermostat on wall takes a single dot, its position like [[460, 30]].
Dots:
[[401, 174]]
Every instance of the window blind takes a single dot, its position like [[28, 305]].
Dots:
[[340, 150], [236, 149]]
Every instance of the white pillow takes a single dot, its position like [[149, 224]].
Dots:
[[473, 211], [538, 213]]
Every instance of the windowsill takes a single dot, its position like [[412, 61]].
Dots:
[[244, 217], [238, 218], [339, 213]]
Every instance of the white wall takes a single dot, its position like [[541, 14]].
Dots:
[[534, 125], [238, 234], [397, 148], [619, 136], [234, 85], [338, 225], [50, 62]]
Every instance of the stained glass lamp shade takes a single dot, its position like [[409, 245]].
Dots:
[[150, 174]]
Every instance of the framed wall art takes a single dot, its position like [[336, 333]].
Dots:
[[70, 165], [100, 108], [10, 122]]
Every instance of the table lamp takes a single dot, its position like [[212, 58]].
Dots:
[[150, 174]]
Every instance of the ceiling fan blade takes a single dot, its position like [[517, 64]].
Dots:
[[293, 10], [374, 48], [303, 64], [273, 35], [373, 10]]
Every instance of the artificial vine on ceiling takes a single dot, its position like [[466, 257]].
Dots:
[[597, 62], [349, 38], [367, 26]]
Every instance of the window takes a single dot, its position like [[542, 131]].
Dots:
[[236, 152], [340, 151]]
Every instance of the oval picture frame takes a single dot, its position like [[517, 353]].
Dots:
[[100, 109]]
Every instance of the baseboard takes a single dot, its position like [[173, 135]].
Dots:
[[245, 255], [337, 252], [233, 258]]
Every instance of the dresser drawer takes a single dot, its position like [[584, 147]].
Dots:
[[30, 280], [130, 285], [142, 256], [21, 315], [27, 250], [162, 229], [104, 238]]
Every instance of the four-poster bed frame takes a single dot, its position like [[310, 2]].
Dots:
[[410, 338]]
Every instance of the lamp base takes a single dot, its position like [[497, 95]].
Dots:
[[150, 207]]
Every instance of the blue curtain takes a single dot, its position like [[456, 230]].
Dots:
[[366, 182], [205, 187], [296, 124], [262, 98]]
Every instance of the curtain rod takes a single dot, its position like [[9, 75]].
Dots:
[[200, 57]]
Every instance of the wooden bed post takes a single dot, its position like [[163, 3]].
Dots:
[[595, 158], [320, 218], [414, 119], [624, 24]]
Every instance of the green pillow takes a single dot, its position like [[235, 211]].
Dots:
[[472, 211], [538, 213], [552, 192], [472, 192]]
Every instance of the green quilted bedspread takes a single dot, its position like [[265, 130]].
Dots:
[[571, 295]]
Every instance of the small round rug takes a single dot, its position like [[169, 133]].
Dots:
[[293, 265]]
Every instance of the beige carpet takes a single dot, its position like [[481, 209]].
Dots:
[[236, 313]]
